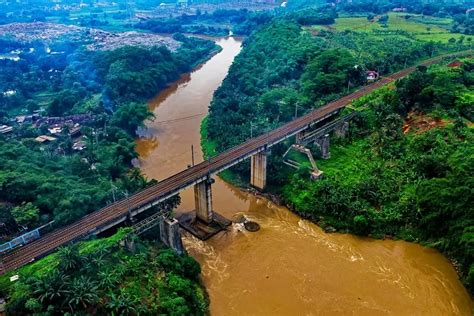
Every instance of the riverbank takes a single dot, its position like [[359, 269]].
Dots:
[[346, 171], [348, 155], [209, 150], [289, 257]]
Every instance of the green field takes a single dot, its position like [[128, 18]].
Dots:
[[423, 28]]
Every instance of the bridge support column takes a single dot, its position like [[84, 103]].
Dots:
[[170, 234], [130, 245], [203, 201], [299, 137], [341, 130], [323, 143], [203, 222], [258, 170]]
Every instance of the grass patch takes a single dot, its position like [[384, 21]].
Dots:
[[355, 24], [423, 28], [440, 37], [300, 158], [347, 162]]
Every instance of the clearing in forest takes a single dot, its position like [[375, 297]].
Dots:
[[422, 27]]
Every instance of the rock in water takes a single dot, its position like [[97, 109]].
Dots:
[[251, 226]]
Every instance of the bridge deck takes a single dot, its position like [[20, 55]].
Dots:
[[117, 212]]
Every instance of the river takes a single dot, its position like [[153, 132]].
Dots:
[[290, 266]]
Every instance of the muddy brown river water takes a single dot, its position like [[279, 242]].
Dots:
[[290, 266]]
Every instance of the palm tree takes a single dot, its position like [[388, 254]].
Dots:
[[94, 262], [51, 287], [134, 180], [123, 303], [69, 258], [83, 291], [99, 260], [108, 278]]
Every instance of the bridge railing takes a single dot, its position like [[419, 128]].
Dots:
[[25, 238], [327, 128]]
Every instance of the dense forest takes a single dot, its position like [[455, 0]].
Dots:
[[394, 177], [52, 181], [73, 74], [413, 186], [282, 68]]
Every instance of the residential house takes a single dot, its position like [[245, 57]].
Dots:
[[372, 75]]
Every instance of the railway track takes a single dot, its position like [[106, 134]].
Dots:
[[172, 185]]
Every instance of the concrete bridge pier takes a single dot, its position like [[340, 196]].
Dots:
[[203, 222], [299, 137], [341, 130], [258, 170], [130, 245], [203, 201], [323, 143], [170, 234]]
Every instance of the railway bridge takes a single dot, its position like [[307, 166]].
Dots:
[[198, 176]]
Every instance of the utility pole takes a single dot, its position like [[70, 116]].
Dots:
[[251, 130], [114, 188], [192, 155], [296, 110]]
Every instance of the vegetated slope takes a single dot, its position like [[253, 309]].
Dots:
[[283, 71], [416, 186], [101, 277], [274, 57], [388, 193]]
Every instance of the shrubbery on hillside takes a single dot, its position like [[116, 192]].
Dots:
[[108, 279], [416, 186]]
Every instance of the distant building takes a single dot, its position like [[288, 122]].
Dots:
[[60, 121], [455, 64], [9, 93], [79, 145], [4, 129], [9, 57], [372, 75], [183, 3], [44, 139], [399, 9], [75, 131], [55, 129], [20, 119]]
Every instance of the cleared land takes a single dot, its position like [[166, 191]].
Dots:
[[96, 39], [421, 27]]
